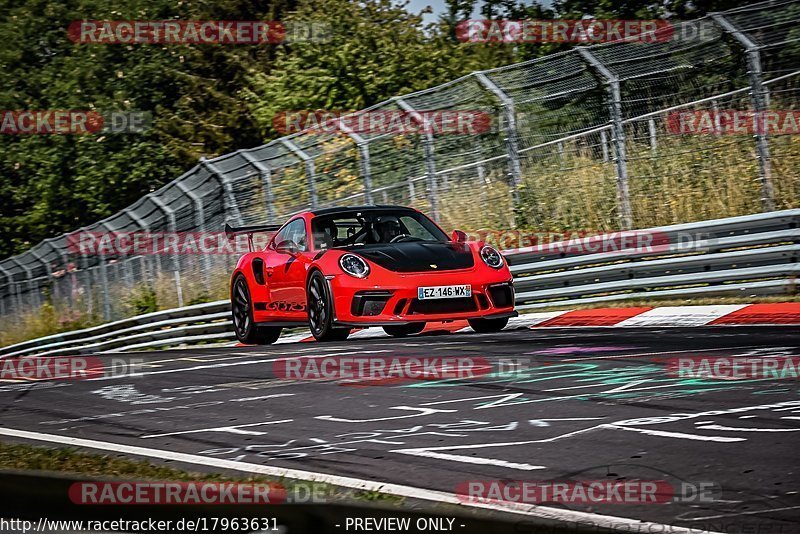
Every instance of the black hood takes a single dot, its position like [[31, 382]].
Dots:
[[415, 256]]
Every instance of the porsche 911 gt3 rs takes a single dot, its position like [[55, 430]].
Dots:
[[352, 267]]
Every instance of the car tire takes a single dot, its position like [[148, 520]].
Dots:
[[244, 326], [403, 330], [484, 326], [320, 310]]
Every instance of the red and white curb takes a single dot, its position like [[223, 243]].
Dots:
[[781, 313]]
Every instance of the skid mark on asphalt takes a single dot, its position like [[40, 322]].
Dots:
[[233, 429]]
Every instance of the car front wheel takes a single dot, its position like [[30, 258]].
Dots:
[[320, 310]]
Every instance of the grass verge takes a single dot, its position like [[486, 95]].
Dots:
[[69, 460]]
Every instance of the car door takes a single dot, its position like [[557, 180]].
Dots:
[[286, 272]]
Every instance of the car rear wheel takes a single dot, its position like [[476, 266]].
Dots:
[[320, 310], [242, 313], [403, 330], [488, 325]]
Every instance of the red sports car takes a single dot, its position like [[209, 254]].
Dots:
[[391, 266]]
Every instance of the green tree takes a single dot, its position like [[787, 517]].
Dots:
[[377, 50], [56, 183]]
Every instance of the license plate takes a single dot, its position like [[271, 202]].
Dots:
[[444, 292]]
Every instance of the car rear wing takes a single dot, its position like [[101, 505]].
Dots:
[[231, 232]]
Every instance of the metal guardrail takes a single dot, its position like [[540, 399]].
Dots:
[[747, 255], [744, 256], [163, 328]]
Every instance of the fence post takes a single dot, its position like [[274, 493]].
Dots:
[[127, 272], [512, 139], [651, 128], [230, 199], [430, 163], [146, 227], [618, 129], [310, 173], [199, 223], [30, 279], [757, 97], [87, 275], [717, 125], [65, 259], [47, 274], [176, 257], [104, 278], [266, 181], [363, 148], [106, 299], [11, 291]]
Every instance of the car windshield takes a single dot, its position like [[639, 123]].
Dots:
[[368, 227]]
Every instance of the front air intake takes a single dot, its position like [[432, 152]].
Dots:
[[369, 303]]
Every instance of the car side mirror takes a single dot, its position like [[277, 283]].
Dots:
[[459, 236], [287, 247]]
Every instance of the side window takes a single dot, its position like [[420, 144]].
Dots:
[[280, 236], [299, 234], [294, 231]]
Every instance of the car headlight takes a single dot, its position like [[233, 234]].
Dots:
[[354, 265], [491, 257]]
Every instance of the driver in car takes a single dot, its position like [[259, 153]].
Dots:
[[387, 228]]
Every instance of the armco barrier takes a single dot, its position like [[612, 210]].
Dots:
[[747, 255], [740, 256], [200, 322]]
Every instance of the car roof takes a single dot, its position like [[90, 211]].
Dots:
[[347, 209]]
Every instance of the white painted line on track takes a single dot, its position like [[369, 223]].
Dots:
[[233, 429], [680, 435], [473, 460], [542, 512]]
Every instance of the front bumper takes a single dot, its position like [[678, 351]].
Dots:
[[360, 303]]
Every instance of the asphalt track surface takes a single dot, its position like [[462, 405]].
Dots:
[[584, 404]]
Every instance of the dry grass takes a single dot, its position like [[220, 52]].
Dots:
[[686, 179], [45, 321]]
